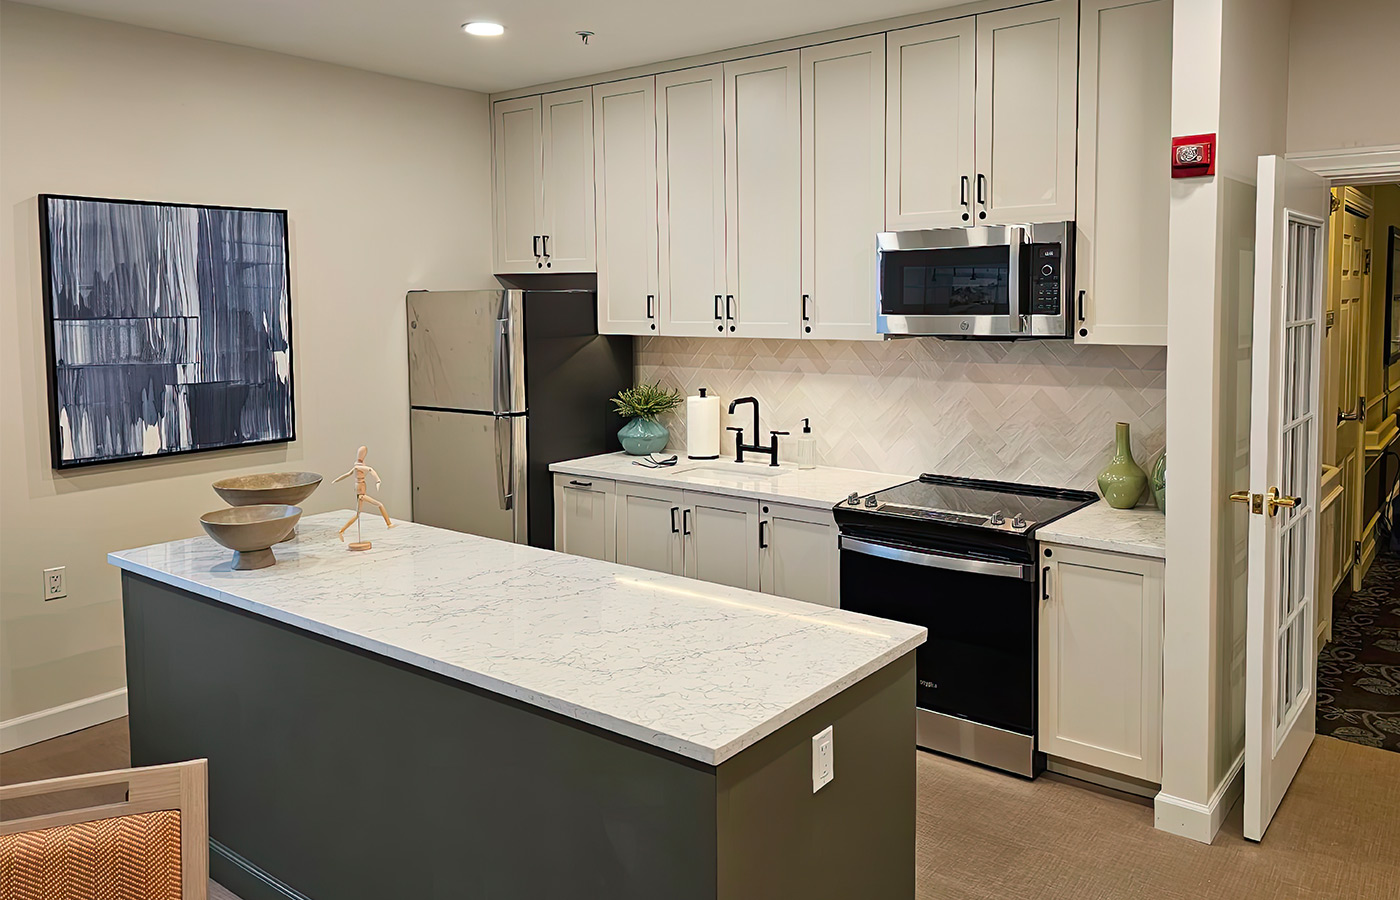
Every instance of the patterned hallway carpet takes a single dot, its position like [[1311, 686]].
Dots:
[[1358, 674]]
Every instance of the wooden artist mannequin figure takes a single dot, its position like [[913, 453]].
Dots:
[[359, 470]]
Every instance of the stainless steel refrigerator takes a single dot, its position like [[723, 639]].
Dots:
[[501, 384]]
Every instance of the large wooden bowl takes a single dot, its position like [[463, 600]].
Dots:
[[250, 531], [289, 488]]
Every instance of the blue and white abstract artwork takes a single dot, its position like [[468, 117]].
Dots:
[[169, 328]]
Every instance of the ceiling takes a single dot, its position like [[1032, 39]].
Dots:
[[422, 39]]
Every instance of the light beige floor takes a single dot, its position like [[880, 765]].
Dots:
[[981, 834]]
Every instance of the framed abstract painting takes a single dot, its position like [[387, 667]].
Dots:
[[168, 328]]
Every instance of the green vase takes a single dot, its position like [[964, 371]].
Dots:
[[642, 436], [1159, 482], [1122, 481]]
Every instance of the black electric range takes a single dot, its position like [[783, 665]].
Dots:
[[958, 556]]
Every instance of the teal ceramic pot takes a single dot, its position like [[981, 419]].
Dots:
[[642, 436], [1158, 483], [1122, 482]]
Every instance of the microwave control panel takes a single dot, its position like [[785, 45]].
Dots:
[[1047, 268]]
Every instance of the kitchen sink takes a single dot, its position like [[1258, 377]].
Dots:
[[734, 472]]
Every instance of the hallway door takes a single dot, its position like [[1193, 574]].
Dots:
[[1286, 413]]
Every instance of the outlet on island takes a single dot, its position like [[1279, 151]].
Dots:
[[823, 764], [54, 584]]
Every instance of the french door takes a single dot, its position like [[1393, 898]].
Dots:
[[1284, 474]]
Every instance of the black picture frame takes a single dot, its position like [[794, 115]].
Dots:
[[1391, 336], [57, 459]]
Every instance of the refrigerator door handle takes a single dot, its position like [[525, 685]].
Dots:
[[505, 460], [501, 371]]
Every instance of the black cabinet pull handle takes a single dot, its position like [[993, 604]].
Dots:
[[806, 317], [581, 483], [651, 298], [728, 304], [674, 510], [1081, 306], [537, 247], [719, 313], [962, 192], [685, 522], [1045, 584], [982, 189], [763, 535], [545, 240]]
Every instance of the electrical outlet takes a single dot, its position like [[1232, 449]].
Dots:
[[54, 586], [823, 762]]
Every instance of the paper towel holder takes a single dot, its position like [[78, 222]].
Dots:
[[702, 426]]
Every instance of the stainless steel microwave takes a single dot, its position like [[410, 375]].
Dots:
[[1000, 282]]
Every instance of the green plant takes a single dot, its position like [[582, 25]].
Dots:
[[646, 401]]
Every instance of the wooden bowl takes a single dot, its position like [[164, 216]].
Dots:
[[289, 488], [250, 531]]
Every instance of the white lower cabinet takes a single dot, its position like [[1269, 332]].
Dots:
[[798, 555], [585, 517], [776, 548], [649, 528], [1101, 660]]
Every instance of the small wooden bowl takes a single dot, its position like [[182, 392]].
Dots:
[[289, 488], [250, 531]]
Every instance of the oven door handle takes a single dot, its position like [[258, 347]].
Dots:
[[937, 560]]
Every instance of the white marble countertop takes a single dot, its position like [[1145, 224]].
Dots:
[[698, 669], [819, 488], [1141, 531]]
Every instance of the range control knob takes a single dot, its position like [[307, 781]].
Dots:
[[854, 499], [1019, 521], [871, 502], [1047, 269], [997, 519]]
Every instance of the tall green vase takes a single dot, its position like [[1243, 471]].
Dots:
[[1122, 481]]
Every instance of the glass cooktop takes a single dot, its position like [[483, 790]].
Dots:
[[974, 502]]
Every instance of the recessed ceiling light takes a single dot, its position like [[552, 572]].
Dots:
[[483, 29]]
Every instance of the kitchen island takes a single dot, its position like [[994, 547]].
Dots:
[[452, 716]]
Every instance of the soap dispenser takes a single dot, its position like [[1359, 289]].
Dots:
[[804, 450]]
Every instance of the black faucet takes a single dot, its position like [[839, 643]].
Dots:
[[740, 446]]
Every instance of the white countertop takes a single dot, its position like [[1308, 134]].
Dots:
[[695, 668], [819, 488], [1141, 531]]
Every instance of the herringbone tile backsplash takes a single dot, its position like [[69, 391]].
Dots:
[[1034, 411]]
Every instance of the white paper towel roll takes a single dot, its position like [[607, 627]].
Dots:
[[702, 426]]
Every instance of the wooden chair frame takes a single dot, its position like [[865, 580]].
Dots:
[[180, 786]]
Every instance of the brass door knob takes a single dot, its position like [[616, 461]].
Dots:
[[1240, 496], [1274, 501]]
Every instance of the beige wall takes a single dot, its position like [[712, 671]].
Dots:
[[1342, 85], [387, 185]]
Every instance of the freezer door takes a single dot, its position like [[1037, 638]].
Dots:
[[469, 473], [465, 351]]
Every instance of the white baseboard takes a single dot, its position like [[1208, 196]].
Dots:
[[1198, 821], [22, 731]]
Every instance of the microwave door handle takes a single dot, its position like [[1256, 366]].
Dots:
[[1015, 237]]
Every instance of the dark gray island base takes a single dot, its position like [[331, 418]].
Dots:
[[336, 772]]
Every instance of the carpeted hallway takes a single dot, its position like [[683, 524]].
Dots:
[[1358, 673], [982, 835]]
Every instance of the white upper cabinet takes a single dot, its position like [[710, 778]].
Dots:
[[1026, 71], [1125, 75], [519, 184], [930, 135], [690, 201], [567, 231], [843, 182], [763, 198], [543, 184], [624, 163]]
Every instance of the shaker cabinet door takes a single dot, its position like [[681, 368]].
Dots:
[[690, 201], [763, 198], [584, 517], [649, 528], [843, 186], [1026, 73], [721, 539], [567, 136], [930, 136], [1101, 660], [1125, 94], [624, 160], [799, 555], [518, 188]]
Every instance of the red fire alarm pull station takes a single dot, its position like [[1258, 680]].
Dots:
[[1193, 155]]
